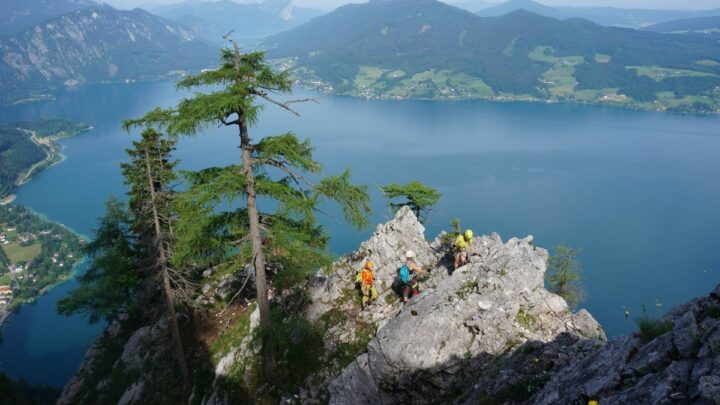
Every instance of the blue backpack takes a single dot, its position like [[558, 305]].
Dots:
[[405, 275]]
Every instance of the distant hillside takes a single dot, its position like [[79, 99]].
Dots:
[[607, 16], [700, 25], [527, 5], [471, 5], [213, 19], [18, 15], [633, 18], [427, 49], [17, 154], [99, 44]]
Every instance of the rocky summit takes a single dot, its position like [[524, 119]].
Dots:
[[489, 333], [459, 322], [442, 339]]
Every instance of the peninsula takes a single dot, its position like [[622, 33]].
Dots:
[[28, 147], [35, 254]]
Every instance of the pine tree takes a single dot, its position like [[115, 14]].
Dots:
[[275, 168]]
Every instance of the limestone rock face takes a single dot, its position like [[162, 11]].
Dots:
[[386, 248], [490, 331], [141, 361], [459, 323], [679, 366]]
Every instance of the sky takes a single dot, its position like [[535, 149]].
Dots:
[[331, 4]]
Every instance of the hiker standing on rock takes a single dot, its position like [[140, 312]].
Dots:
[[366, 278], [408, 275], [462, 245]]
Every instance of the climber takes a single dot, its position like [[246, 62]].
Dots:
[[367, 288], [408, 275], [463, 244]]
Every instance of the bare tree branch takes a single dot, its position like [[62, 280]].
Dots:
[[247, 277], [295, 176], [283, 104]]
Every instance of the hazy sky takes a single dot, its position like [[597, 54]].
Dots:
[[331, 4]]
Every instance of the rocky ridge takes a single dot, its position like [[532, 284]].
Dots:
[[490, 333], [442, 339], [460, 322]]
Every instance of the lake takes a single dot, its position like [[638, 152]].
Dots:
[[637, 191]]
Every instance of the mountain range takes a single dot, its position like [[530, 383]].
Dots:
[[213, 19], [428, 49], [608, 16], [700, 25], [97, 44], [20, 15]]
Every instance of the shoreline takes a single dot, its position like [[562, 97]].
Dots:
[[4, 315], [327, 90], [52, 158], [8, 199], [10, 309]]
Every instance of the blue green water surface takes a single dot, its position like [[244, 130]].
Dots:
[[637, 191]]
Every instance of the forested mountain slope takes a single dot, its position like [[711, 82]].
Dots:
[[427, 49]]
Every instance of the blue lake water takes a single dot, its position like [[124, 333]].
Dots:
[[637, 191]]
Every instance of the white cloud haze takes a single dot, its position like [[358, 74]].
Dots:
[[331, 4]]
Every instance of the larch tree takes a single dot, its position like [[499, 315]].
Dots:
[[416, 195], [219, 218], [563, 275]]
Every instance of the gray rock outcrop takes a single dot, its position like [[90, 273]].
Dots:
[[459, 323], [681, 365], [488, 333]]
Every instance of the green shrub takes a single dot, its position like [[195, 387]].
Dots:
[[563, 275], [346, 352], [713, 311], [526, 319], [651, 328], [297, 346], [455, 229]]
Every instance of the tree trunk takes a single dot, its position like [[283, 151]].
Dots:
[[169, 301], [268, 358]]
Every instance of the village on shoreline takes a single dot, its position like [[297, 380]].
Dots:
[[35, 254]]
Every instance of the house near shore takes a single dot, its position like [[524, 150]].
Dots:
[[6, 294]]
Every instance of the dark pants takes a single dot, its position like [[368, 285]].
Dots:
[[408, 289]]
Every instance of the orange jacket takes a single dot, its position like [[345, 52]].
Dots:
[[366, 276]]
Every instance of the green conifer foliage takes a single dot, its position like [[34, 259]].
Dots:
[[108, 286], [418, 197], [263, 209], [563, 275]]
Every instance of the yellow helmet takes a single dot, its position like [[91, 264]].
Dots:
[[468, 234], [369, 265]]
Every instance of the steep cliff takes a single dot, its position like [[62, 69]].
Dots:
[[489, 333], [97, 44]]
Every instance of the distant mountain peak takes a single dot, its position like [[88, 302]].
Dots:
[[514, 5], [283, 8], [97, 44]]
